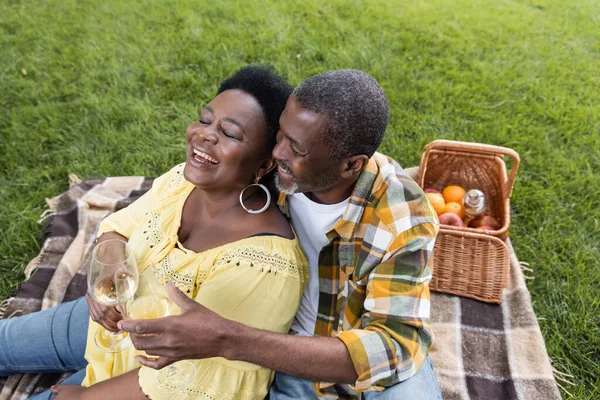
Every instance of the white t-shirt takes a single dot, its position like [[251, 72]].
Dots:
[[311, 222]]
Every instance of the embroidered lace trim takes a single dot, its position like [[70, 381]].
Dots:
[[254, 257], [203, 393], [183, 280], [152, 231], [177, 178], [212, 394]]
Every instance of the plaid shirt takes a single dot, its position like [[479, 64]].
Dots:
[[374, 275]]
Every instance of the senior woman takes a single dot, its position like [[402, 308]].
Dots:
[[197, 227]]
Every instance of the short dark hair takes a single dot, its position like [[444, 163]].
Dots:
[[270, 90], [355, 105]]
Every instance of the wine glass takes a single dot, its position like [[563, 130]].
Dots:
[[112, 281], [152, 301]]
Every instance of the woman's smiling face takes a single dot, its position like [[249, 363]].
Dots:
[[229, 143]]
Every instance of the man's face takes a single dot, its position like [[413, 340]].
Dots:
[[303, 159]]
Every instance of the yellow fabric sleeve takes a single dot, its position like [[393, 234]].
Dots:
[[127, 219]]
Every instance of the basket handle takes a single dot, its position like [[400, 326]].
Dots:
[[475, 148]]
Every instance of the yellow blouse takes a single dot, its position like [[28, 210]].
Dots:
[[257, 281]]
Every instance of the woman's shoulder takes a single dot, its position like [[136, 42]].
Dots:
[[171, 179], [271, 221]]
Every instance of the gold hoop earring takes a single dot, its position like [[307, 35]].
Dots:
[[263, 187]]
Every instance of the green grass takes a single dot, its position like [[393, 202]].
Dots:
[[107, 88]]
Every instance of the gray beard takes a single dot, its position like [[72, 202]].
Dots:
[[319, 185], [288, 191]]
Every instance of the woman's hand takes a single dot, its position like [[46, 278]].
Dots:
[[68, 392], [104, 315]]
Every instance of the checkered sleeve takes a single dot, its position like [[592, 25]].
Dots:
[[395, 335]]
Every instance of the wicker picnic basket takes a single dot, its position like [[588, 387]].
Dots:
[[469, 262]]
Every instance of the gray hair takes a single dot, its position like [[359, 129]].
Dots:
[[355, 105]]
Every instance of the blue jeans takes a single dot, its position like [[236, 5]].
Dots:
[[52, 340], [423, 385]]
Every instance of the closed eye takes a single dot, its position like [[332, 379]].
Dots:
[[295, 152], [229, 135]]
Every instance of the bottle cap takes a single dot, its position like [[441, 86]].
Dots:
[[473, 197]]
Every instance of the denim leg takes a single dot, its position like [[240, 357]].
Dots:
[[74, 379], [288, 387], [423, 385], [52, 340]]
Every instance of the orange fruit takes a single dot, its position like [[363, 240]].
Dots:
[[454, 193], [454, 207], [437, 201]]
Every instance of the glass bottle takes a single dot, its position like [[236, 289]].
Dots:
[[474, 204]]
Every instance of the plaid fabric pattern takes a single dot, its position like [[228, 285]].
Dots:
[[481, 351], [58, 273], [491, 351], [373, 278]]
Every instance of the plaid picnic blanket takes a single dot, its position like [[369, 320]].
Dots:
[[481, 351]]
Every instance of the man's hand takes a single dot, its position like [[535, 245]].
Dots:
[[196, 333], [199, 333], [103, 315]]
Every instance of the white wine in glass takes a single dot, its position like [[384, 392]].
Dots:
[[152, 301], [105, 290], [112, 281]]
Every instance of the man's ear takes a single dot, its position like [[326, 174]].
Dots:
[[269, 165], [353, 166]]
